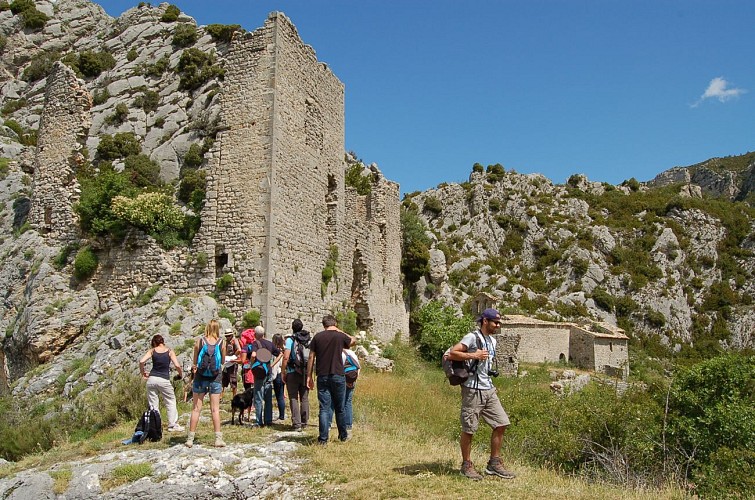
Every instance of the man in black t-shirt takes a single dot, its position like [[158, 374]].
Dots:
[[325, 358]]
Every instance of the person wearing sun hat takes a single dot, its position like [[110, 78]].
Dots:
[[479, 397], [230, 368]]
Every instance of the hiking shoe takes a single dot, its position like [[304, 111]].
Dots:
[[495, 467], [347, 438], [190, 440], [468, 471], [219, 443], [176, 428]]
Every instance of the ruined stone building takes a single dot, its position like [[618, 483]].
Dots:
[[278, 216]]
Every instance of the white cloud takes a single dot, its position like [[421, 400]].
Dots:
[[718, 89]]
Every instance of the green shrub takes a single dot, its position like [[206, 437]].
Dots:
[[603, 299], [347, 321], [148, 101], [330, 269], [146, 296], [171, 14], [185, 35], [250, 319], [437, 327], [196, 68], [710, 416], [727, 474], [4, 168], [222, 32], [120, 145], [13, 105], [142, 171], [85, 264], [132, 55], [224, 282], [25, 136], [31, 17], [60, 260], [225, 313], [477, 168], [191, 190], [355, 179], [194, 156], [100, 96], [18, 6], [97, 193], [432, 205], [40, 66], [158, 68], [154, 213], [91, 64], [119, 115], [655, 319]]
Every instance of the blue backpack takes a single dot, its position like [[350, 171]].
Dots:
[[351, 370], [208, 360]]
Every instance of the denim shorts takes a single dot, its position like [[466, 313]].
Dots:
[[205, 385]]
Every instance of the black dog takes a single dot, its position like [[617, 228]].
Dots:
[[241, 402]]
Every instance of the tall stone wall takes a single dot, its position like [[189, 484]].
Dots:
[[62, 132], [277, 204]]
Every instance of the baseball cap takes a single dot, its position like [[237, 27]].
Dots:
[[490, 314]]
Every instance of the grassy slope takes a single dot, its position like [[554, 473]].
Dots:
[[405, 445]]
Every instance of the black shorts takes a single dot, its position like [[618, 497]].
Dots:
[[229, 376]]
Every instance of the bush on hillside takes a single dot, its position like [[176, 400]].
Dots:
[[433, 205], [148, 101], [97, 193], [120, 145], [171, 14], [185, 35], [196, 68], [222, 32], [142, 171], [91, 64], [31, 17], [250, 319], [438, 327], [85, 264], [192, 189], [40, 66]]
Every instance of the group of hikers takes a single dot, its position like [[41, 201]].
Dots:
[[267, 367]]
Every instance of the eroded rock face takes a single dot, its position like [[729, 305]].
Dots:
[[533, 244]]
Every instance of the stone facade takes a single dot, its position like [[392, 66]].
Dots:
[[277, 209], [604, 351], [277, 205], [62, 133]]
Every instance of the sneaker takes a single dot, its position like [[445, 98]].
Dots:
[[219, 443], [347, 438], [190, 440], [468, 471], [495, 467], [176, 428]]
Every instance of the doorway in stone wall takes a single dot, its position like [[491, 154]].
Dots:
[[221, 261]]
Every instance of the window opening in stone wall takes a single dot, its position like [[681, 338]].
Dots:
[[313, 125], [221, 260], [331, 203], [48, 216]]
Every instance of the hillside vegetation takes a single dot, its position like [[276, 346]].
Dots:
[[670, 264]]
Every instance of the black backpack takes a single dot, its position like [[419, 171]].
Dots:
[[300, 352], [458, 372], [149, 427]]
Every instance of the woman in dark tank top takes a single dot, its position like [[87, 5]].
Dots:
[[158, 380]]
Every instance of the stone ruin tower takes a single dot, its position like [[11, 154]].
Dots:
[[278, 212], [63, 129]]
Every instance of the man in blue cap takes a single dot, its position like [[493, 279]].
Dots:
[[479, 397]]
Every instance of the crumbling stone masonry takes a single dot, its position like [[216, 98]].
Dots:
[[277, 211], [62, 132], [277, 207]]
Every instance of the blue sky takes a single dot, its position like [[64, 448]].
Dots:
[[610, 89]]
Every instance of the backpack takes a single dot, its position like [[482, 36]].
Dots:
[[351, 370], [261, 366], [458, 372], [300, 352], [208, 360], [149, 427]]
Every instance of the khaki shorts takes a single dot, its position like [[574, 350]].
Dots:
[[485, 404]]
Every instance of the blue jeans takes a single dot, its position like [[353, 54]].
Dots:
[[347, 407], [331, 394], [278, 388], [263, 399]]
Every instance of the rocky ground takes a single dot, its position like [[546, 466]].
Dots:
[[240, 470]]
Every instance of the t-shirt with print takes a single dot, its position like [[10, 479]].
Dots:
[[328, 346], [481, 379]]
